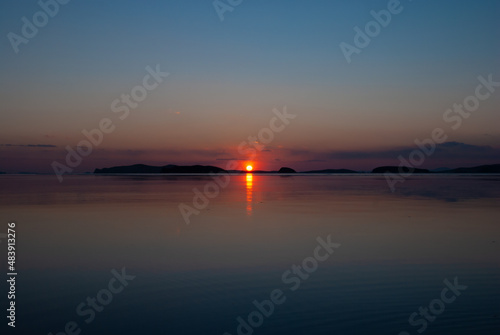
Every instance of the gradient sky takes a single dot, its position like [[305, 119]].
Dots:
[[227, 76]]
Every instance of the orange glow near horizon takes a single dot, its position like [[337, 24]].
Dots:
[[249, 167]]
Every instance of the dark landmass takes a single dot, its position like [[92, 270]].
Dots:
[[142, 168], [281, 170], [206, 169], [286, 170], [137, 168], [191, 169], [332, 171], [253, 171], [395, 169], [495, 168], [442, 169]]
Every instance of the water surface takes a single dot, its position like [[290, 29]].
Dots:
[[396, 249]]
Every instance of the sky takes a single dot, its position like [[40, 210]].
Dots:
[[228, 80]]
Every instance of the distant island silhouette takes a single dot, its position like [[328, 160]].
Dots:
[[331, 171], [206, 169], [142, 168], [395, 169]]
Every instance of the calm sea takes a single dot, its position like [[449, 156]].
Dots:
[[329, 254]]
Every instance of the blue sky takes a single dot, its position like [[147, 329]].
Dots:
[[226, 77]]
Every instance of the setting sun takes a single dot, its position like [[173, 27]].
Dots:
[[249, 168]]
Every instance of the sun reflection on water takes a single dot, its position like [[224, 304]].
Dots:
[[249, 178]]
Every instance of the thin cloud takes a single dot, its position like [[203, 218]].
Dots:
[[447, 149], [29, 145]]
